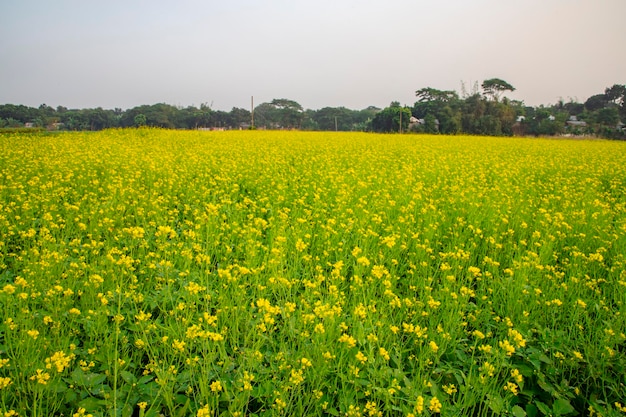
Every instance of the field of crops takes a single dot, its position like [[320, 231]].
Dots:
[[152, 272]]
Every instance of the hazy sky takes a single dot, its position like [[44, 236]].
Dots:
[[80, 53]]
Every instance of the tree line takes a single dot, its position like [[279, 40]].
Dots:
[[483, 110]]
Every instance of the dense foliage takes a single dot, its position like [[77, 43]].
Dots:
[[148, 272], [477, 112]]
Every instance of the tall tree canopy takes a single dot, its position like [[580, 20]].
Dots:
[[494, 87]]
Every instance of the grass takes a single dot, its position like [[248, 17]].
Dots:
[[148, 272]]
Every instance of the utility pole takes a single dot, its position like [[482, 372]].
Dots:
[[252, 112], [401, 119], [336, 123]]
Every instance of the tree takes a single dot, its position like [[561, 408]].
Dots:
[[430, 124], [279, 114], [474, 108], [608, 116], [574, 108], [432, 94], [266, 115], [140, 120], [18, 113], [443, 106], [391, 119], [335, 118], [449, 120], [596, 102], [616, 94], [494, 87], [290, 113], [239, 117], [542, 122]]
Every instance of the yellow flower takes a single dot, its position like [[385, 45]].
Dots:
[[5, 382], [478, 334], [485, 348], [360, 311], [361, 357], [279, 403], [178, 345], [348, 340], [449, 389], [434, 405], [474, 271], [9, 289], [328, 356], [143, 316], [419, 405], [41, 377], [194, 288], [81, 413], [507, 347], [247, 381], [319, 328], [488, 369], [296, 377], [383, 352], [301, 246], [517, 338], [216, 386], [379, 270], [142, 405], [204, 411], [59, 360], [511, 387]]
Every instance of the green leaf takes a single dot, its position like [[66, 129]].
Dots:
[[127, 410], [91, 404], [145, 379], [362, 382], [88, 380], [496, 403], [183, 411], [531, 410], [562, 407], [332, 411], [71, 396], [545, 410], [128, 377], [150, 389], [546, 386], [58, 386], [518, 411]]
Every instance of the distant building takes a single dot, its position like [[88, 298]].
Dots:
[[573, 122], [414, 122]]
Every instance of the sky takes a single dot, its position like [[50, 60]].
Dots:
[[125, 53]]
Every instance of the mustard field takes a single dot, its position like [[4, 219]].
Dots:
[[252, 273]]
